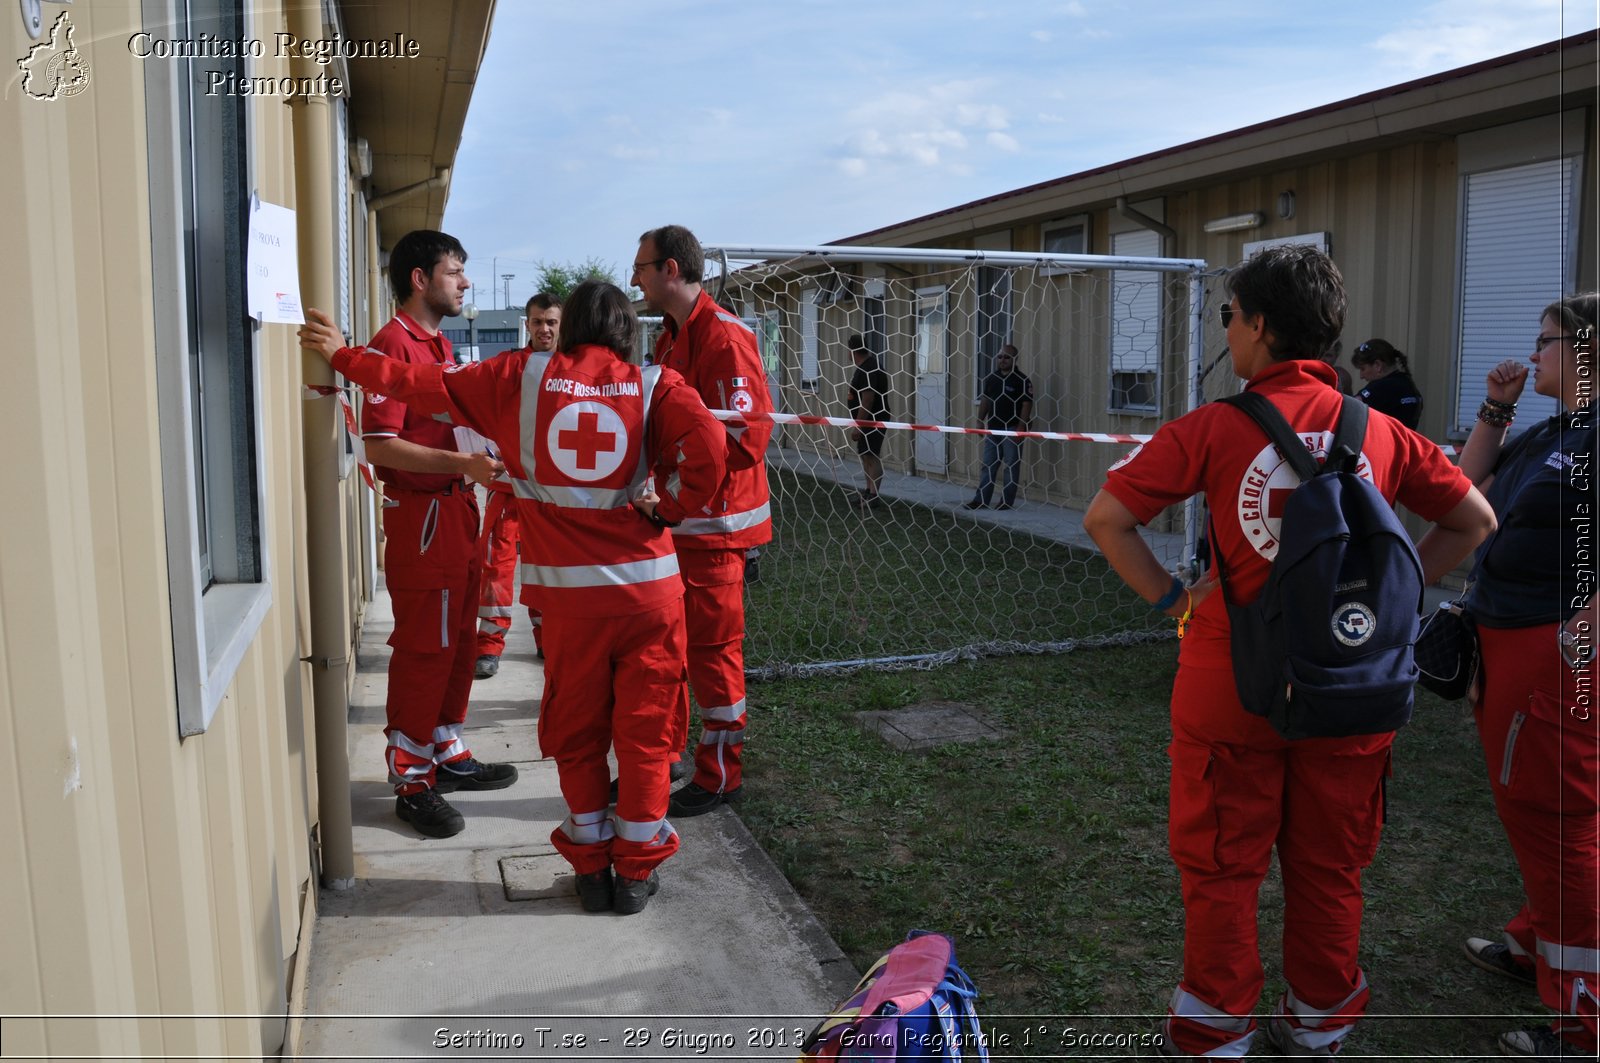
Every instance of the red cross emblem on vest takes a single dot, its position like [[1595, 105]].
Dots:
[[587, 440]]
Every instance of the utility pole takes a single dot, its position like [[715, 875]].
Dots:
[[506, 277]]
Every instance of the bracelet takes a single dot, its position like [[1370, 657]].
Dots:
[[1495, 417], [1171, 597], [1188, 612], [1508, 407]]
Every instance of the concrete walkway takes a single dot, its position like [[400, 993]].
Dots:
[[475, 946]]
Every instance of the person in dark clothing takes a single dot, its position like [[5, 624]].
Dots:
[[1007, 405], [1388, 387], [869, 401]]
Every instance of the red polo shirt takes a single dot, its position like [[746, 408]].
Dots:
[[385, 418]]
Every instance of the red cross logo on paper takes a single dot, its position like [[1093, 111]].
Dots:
[[1267, 485], [587, 441]]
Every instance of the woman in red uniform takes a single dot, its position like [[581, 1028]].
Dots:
[[581, 431], [1237, 789], [1533, 600]]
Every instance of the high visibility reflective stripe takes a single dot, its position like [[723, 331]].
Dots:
[[728, 522], [623, 575], [724, 316], [398, 740], [588, 828], [734, 737], [489, 627], [444, 618], [1320, 1028], [1569, 957], [725, 713], [447, 744], [652, 832], [494, 610], [1511, 747], [1186, 1005], [445, 417], [576, 497], [1310, 1016]]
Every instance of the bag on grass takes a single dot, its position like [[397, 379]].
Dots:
[[1447, 651], [1326, 650], [914, 1003]]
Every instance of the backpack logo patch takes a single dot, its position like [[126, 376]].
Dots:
[[1267, 485], [1353, 623]]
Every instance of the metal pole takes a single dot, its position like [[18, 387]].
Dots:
[[507, 278]]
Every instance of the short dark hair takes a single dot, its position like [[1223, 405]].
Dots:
[[1579, 315], [1378, 350], [677, 243], [1300, 293], [598, 312], [858, 345], [544, 301], [419, 249], [1009, 350]]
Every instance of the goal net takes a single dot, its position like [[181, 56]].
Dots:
[[1111, 347]]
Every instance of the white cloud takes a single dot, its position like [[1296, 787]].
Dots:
[[1457, 32], [927, 129], [1003, 142], [1042, 36]]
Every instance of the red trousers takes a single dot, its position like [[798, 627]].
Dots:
[[1537, 720], [1238, 790], [713, 605], [618, 682], [431, 568], [497, 546]]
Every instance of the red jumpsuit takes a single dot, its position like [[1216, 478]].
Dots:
[[718, 356], [1237, 788], [497, 545], [431, 566], [580, 432]]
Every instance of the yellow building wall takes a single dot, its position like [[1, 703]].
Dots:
[[144, 875]]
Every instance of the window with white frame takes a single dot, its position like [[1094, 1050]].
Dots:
[[994, 320], [1136, 308], [200, 192], [1064, 236]]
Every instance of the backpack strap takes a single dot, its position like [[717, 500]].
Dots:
[[1345, 452], [1261, 410]]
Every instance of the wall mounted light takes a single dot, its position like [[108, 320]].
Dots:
[[1235, 222], [1286, 204]]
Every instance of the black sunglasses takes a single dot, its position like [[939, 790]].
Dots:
[[1226, 312]]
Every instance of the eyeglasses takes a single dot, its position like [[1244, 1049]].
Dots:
[[1226, 312], [637, 266], [1541, 342]]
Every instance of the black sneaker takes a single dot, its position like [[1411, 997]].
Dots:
[[974, 504], [694, 800], [1496, 956], [632, 894], [486, 667], [681, 769], [595, 891], [429, 813], [1540, 1042], [470, 774]]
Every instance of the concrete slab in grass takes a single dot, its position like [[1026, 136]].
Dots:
[[929, 725]]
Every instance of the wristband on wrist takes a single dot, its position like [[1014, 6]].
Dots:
[[1171, 597], [1495, 416], [1508, 407]]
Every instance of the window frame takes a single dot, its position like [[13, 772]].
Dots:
[[1068, 221], [1114, 367]]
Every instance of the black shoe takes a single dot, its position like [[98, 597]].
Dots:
[[632, 894], [470, 774], [486, 667], [681, 769], [595, 891], [752, 570], [974, 504], [1540, 1042], [429, 813], [1496, 956], [695, 800]]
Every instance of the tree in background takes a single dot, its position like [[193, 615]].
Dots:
[[559, 278]]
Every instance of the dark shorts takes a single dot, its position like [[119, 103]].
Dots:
[[871, 441]]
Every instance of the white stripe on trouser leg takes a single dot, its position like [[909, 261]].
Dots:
[[416, 749], [650, 832], [1185, 1005], [1516, 949], [1569, 957], [487, 627], [444, 619], [494, 610], [588, 828], [417, 770], [732, 737], [447, 744], [1309, 1033], [724, 713]]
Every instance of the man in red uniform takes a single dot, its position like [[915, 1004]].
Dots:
[[497, 544], [1238, 789], [718, 356], [582, 431], [431, 563]]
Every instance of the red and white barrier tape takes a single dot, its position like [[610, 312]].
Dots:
[[735, 417], [322, 391]]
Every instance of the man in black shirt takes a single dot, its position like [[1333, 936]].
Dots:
[[1006, 403], [868, 397]]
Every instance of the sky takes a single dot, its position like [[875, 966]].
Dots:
[[808, 121]]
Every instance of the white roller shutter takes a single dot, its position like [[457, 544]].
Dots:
[[809, 369], [1519, 229], [1135, 324]]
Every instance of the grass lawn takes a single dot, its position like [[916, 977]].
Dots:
[[1044, 855]]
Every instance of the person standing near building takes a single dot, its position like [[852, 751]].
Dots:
[[431, 561], [1005, 403], [497, 543], [718, 356], [1386, 382], [868, 397], [583, 431], [1238, 789]]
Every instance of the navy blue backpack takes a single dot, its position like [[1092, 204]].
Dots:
[[1326, 650]]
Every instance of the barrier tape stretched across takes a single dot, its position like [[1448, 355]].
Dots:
[[735, 417]]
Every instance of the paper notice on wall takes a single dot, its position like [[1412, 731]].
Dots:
[[274, 266]]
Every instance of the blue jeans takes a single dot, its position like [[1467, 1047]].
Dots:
[[995, 450]]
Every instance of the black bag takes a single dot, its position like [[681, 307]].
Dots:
[[1447, 651], [1326, 650]]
